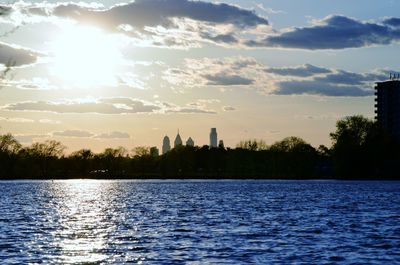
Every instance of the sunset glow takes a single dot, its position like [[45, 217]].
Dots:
[[85, 57]]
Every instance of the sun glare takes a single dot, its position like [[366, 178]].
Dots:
[[85, 57]]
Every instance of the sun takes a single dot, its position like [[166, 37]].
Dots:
[[85, 57]]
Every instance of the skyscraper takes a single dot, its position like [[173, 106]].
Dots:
[[387, 107], [154, 151], [190, 142], [221, 144], [178, 140], [166, 145], [213, 138]]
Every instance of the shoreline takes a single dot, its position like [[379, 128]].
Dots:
[[205, 179]]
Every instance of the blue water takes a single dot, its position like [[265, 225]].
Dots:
[[198, 222]]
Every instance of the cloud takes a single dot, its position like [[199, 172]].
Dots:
[[186, 24], [86, 134], [334, 32], [35, 83], [208, 101], [302, 71], [5, 10], [270, 10], [329, 116], [222, 79], [28, 138], [171, 23], [348, 78], [16, 56], [313, 80], [119, 105], [16, 120], [99, 106], [234, 71], [221, 38], [113, 135], [228, 108], [247, 73], [188, 110], [394, 22], [48, 121], [312, 87], [199, 107], [142, 13], [73, 133]]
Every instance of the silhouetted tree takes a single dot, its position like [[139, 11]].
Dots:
[[43, 154], [8, 144], [9, 148], [81, 161], [324, 151], [113, 161], [139, 151], [294, 158], [360, 148], [253, 145]]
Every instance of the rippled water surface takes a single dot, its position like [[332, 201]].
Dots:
[[219, 222]]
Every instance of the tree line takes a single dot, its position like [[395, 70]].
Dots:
[[360, 150]]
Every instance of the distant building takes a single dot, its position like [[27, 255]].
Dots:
[[213, 138], [166, 147], [154, 151], [190, 142], [178, 140], [387, 106], [221, 144]]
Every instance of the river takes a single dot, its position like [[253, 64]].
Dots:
[[199, 222]]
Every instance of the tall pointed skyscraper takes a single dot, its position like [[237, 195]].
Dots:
[[190, 142], [166, 145], [178, 140], [213, 138]]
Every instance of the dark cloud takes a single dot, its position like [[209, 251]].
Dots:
[[73, 133], [221, 38], [348, 78], [113, 135], [395, 22], [142, 13], [297, 87], [335, 32], [228, 108], [222, 79], [301, 71], [5, 10], [291, 80], [15, 56], [328, 82], [193, 20]]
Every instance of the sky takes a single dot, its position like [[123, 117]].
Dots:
[[110, 73]]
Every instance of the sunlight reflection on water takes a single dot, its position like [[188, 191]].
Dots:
[[80, 209], [222, 222]]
